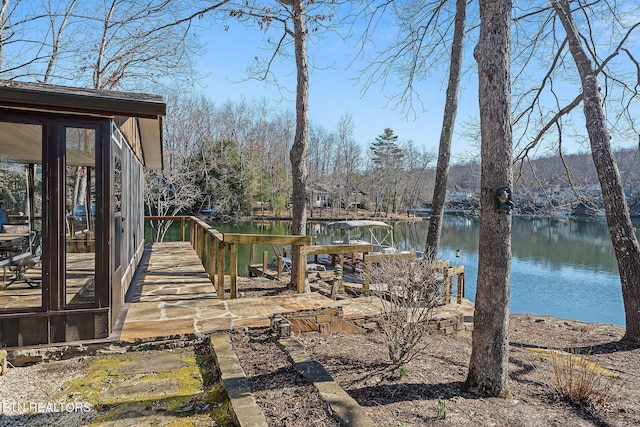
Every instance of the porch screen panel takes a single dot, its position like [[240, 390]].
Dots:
[[80, 205], [20, 216]]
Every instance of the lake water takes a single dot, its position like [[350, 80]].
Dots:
[[560, 268]]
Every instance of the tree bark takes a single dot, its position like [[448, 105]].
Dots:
[[488, 367], [446, 134], [300, 146], [623, 238]]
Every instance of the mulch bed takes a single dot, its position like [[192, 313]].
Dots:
[[359, 363], [285, 397]]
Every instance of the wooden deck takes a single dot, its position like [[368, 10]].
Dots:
[[173, 296], [80, 285]]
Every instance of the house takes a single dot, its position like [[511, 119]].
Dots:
[[318, 196], [459, 196], [323, 196], [71, 177]]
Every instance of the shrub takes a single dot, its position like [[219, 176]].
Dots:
[[580, 381], [409, 292]]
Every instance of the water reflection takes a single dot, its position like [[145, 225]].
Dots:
[[561, 268]]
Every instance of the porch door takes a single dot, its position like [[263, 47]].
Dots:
[[80, 216]]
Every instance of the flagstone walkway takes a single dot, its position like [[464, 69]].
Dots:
[[173, 296]]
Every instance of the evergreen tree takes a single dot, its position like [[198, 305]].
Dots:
[[387, 157]]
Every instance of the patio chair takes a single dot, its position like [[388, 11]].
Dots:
[[28, 255]]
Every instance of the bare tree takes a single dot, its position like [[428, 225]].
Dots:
[[57, 37], [24, 36], [173, 190], [347, 159], [4, 15], [292, 18], [623, 237], [446, 134], [488, 367], [596, 39], [416, 182], [114, 44], [298, 153], [425, 33]]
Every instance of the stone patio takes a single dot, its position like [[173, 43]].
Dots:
[[173, 296]]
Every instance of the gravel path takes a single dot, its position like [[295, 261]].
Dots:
[[29, 395]]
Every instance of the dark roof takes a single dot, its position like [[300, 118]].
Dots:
[[80, 100], [147, 109]]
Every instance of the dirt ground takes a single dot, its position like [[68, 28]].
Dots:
[[359, 363]]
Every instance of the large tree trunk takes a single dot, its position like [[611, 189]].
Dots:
[[488, 367], [446, 134], [298, 152], [623, 237]]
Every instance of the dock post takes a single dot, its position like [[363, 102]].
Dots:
[[265, 254], [220, 270], [211, 261], [460, 287], [366, 277], [302, 267], [280, 262], [233, 270]]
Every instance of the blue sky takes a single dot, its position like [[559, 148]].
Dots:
[[333, 88]]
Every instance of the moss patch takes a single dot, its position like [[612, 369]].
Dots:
[[188, 395]]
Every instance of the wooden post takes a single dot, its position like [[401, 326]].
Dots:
[[212, 260], [353, 263], [220, 270], [302, 267], [265, 255], [280, 262], [182, 228], [252, 249], [233, 270], [196, 241], [366, 277], [460, 286], [203, 244], [337, 282], [448, 284]]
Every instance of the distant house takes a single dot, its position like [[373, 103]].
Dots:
[[458, 196], [352, 195], [554, 196], [73, 161], [318, 196], [323, 196]]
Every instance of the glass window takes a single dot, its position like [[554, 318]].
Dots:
[[80, 205], [20, 215]]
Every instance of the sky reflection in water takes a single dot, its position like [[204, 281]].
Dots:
[[561, 268]]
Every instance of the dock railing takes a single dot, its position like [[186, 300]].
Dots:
[[213, 247]]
